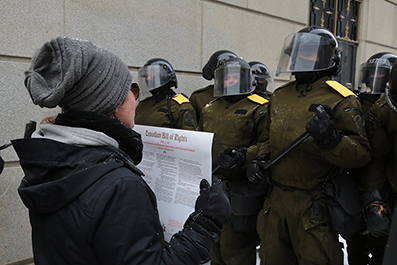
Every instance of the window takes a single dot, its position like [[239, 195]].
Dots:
[[341, 18]]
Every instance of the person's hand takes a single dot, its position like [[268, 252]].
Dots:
[[212, 208], [230, 158], [378, 214], [255, 170], [377, 218], [322, 128]]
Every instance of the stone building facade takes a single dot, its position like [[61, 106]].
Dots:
[[184, 32]]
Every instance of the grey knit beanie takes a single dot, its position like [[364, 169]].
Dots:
[[77, 74]]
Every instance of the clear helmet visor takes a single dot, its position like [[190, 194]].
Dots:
[[151, 77], [264, 83], [306, 52], [232, 80], [373, 78]]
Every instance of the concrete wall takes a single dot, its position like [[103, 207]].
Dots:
[[185, 32]]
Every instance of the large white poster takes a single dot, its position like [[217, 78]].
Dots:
[[174, 162]]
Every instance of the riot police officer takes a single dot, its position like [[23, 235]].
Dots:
[[373, 79], [263, 79], [164, 108], [390, 256], [363, 247], [378, 181], [200, 97], [236, 117], [293, 225]]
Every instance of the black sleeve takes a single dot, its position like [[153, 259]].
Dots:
[[129, 229]]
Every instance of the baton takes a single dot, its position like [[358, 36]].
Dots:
[[291, 146], [314, 107]]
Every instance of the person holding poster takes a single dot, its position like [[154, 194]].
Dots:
[[236, 117], [87, 201]]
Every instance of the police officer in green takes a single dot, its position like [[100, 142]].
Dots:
[[236, 117], [293, 225], [164, 108], [388, 170], [373, 80], [378, 182], [200, 97], [264, 83]]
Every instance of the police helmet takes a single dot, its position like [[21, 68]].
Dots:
[[264, 83], [374, 73], [391, 92], [156, 73], [216, 59], [233, 77], [312, 49]]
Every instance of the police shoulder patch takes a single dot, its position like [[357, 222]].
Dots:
[[180, 99], [257, 99], [341, 89]]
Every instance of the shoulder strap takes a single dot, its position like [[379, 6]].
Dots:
[[257, 99], [341, 89], [180, 99]]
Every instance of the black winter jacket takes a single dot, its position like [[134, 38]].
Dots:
[[90, 205]]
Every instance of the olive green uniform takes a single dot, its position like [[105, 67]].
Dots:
[[381, 126], [367, 100], [293, 224], [360, 246], [235, 126], [172, 111], [200, 97]]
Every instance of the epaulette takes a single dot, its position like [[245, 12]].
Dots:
[[341, 89], [257, 99], [180, 99]]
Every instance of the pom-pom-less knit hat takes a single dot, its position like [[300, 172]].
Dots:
[[77, 74]]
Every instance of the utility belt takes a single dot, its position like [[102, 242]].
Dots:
[[319, 187], [341, 196], [246, 200]]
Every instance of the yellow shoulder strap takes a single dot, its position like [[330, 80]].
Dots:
[[180, 99], [341, 89], [257, 99]]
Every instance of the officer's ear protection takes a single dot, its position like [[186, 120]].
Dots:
[[254, 82], [208, 71]]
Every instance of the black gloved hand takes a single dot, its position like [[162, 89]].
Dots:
[[230, 158], [377, 218], [322, 128], [378, 213], [212, 208], [255, 170]]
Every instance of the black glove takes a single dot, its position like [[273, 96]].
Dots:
[[255, 170], [230, 158], [212, 208], [322, 128], [377, 213], [376, 216]]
